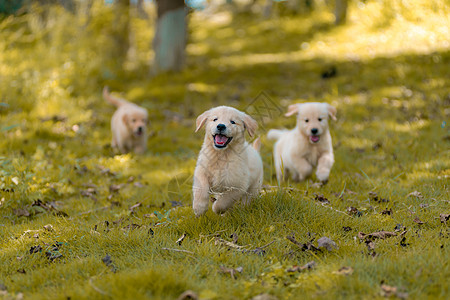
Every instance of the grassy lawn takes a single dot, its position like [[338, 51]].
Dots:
[[78, 222]]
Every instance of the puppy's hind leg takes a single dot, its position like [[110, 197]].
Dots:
[[200, 190], [303, 168]]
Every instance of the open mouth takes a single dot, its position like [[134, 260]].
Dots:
[[221, 141], [314, 138]]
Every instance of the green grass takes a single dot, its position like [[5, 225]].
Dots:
[[392, 92]]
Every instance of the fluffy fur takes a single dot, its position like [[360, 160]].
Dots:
[[308, 145], [228, 168], [128, 125]]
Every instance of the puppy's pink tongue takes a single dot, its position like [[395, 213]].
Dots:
[[315, 138], [220, 139]]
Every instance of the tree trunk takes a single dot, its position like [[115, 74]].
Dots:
[[120, 29], [170, 37], [140, 9], [340, 12]]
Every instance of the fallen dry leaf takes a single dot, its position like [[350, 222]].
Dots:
[[49, 227], [444, 217], [264, 297], [321, 198], [392, 291], [188, 295], [418, 221], [231, 271], [181, 239], [354, 211], [113, 188], [344, 271], [223, 242], [327, 243], [377, 235], [21, 212], [134, 207], [415, 194], [308, 266], [387, 212]]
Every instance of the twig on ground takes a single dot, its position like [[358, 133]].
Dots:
[[177, 250]]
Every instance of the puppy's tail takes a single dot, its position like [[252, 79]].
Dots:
[[257, 144], [111, 99], [275, 134]]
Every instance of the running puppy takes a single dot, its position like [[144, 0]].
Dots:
[[228, 168], [128, 125], [308, 145]]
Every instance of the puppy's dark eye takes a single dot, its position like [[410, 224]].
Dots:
[[215, 119], [320, 119], [232, 122], [306, 120]]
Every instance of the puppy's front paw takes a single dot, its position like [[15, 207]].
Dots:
[[323, 177], [200, 209]]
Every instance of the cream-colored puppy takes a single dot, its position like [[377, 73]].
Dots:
[[228, 168], [307, 146], [128, 125]]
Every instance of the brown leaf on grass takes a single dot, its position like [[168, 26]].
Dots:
[[347, 228], [327, 243], [134, 207], [138, 184], [35, 249], [415, 194], [131, 226], [424, 205], [264, 297], [376, 235], [231, 271], [22, 271], [89, 193], [188, 295], [308, 266], [223, 242], [387, 212], [353, 211], [418, 221], [49, 227], [21, 212], [392, 291], [109, 263], [344, 271], [114, 188], [444, 218], [181, 239], [374, 197], [321, 198], [303, 246]]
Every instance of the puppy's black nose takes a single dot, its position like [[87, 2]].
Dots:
[[314, 131], [140, 129], [221, 127]]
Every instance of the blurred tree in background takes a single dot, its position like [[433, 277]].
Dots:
[[170, 36]]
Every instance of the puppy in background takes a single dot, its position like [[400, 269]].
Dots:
[[307, 146], [228, 168], [128, 125]]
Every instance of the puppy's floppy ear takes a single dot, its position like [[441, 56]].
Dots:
[[332, 111], [292, 109], [201, 120], [250, 124], [125, 119]]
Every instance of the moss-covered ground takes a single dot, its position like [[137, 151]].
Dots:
[[79, 222]]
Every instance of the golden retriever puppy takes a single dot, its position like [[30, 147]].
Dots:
[[128, 125], [228, 168], [308, 145]]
